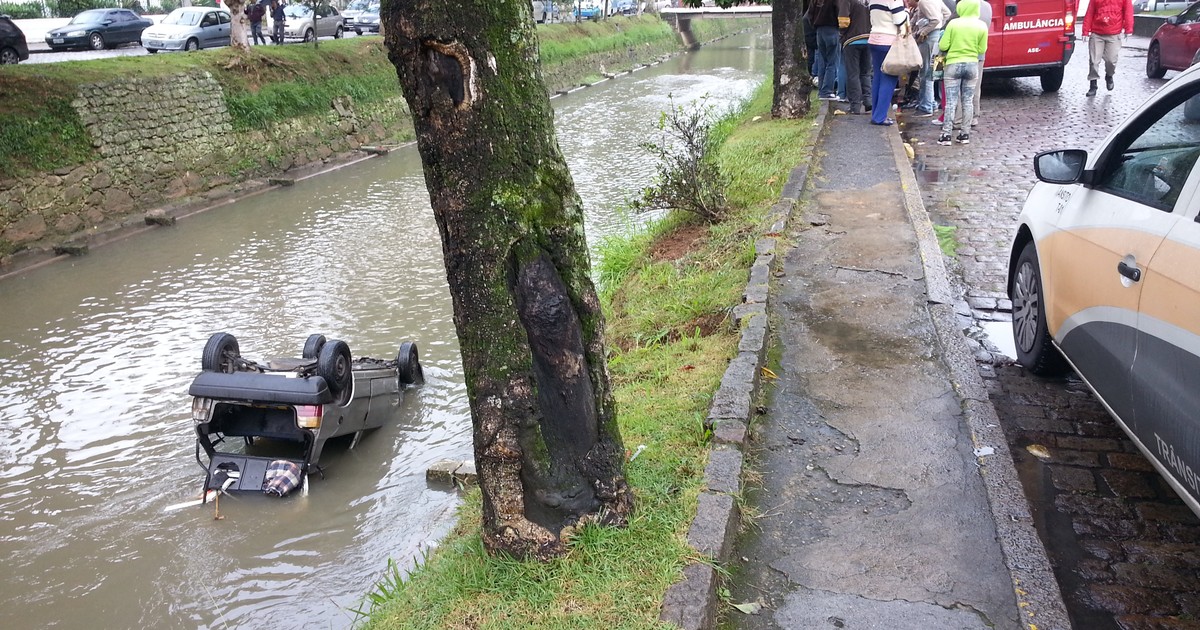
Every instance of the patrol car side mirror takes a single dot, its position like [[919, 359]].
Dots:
[[1060, 167]]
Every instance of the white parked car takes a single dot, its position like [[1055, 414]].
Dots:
[[301, 23], [1104, 276]]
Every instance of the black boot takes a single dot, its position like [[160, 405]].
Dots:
[[1092, 89], [1108, 82]]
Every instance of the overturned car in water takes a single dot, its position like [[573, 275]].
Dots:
[[303, 401]]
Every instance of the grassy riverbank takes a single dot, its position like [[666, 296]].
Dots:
[[668, 294], [40, 131]]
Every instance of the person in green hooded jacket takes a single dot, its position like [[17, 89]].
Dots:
[[963, 43]]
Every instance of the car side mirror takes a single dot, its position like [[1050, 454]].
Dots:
[[1060, 167], [1174, 19]]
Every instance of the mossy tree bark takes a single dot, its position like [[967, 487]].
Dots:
[[792, 83], [546, 442]]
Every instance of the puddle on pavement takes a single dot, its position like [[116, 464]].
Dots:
[[927, 175], [999, 334]]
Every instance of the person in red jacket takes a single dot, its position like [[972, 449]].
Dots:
[[1105, 25]]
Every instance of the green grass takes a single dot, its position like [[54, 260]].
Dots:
[[616, 578], [947, 241]]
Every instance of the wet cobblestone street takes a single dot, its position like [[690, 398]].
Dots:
[[1126, 550]]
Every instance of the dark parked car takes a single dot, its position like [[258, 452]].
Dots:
[[303, 402], [99, 29], [1175, 44], [365, 22], [12, 42]]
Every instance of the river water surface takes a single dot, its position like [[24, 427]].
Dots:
[[96, 355]]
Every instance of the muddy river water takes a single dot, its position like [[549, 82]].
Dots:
[[96, 355]]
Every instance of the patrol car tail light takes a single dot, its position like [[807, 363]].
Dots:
[[308, 416]]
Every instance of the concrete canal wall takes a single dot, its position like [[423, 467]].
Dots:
[[168, 146]]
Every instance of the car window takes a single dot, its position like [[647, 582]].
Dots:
[[1151, 160], [210, 19], [224, 17], [1189, 15]]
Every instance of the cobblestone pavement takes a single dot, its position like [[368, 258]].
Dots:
[[1126, 550]]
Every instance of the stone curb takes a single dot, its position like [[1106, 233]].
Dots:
[[1039, 600], [691, 603]]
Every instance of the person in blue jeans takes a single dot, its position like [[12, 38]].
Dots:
[[963, 42], [888, 19], [823, 15], [929, 19]]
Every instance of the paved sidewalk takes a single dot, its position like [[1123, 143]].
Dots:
[[875, 509]]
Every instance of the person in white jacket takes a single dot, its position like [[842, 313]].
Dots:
[[929, 19]]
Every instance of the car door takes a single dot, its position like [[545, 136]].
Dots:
[[1178, 41], [1027, 32], [1166, 372], [224, 29], [1107, 233], [210, 30]]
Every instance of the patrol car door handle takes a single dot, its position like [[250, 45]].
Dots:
[[1129, 271]]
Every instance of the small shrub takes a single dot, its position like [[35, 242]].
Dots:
[[689, 178], [23, 10]]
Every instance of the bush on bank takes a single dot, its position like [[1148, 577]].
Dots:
[[40, 131], [670, 339]]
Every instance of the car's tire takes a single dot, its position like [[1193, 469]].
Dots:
[[220, 354], [1154, 67], [1052, 79], [312, 346], [96, 41], [9, 56], [192, 45], [333, 365], [1035, 347], [309, 36], [151, 50], [358, 31], [408, 365], [337, 33]]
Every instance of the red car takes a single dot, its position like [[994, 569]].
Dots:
[[1175, 43]]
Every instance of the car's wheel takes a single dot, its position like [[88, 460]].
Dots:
[[8, 56], [312, 346], [220, 354], [1035, 349], [1052, 79], [337, 33], [358, 31], [309, 36], [151, 50], [192, 45], [333, 365], [408, 366], [96, 41], [1154, 67]]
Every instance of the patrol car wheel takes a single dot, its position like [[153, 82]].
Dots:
[[1035, 349], [408, 367], [220, 354], [333, 365]]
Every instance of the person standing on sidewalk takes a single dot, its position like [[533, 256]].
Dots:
[[824, 16], [964, 42], [888, 17], [1105, 25], [278, 17], [255, 13], [854, 20], [931, 18]]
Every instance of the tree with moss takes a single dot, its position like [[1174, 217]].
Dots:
[[792, 83], [546, 443]]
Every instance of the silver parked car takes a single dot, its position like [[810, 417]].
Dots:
[[189, 28], [302, 24]]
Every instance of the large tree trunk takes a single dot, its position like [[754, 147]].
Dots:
[[793, 84], [547, 447], [239, 29]]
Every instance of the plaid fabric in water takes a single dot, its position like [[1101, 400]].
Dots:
[[282, 477]]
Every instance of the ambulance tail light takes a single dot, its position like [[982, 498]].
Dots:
[[1069, 19], [309, 416]]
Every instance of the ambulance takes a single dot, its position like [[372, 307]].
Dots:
[[1031, 38]]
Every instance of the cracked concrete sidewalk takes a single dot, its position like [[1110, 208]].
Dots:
[[872, 511]]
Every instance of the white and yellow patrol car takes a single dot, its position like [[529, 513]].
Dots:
[[1104, 276]]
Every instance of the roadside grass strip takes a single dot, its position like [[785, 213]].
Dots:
[[665, 367]]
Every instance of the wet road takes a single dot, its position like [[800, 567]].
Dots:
[[1126, 550], [97, 354]]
